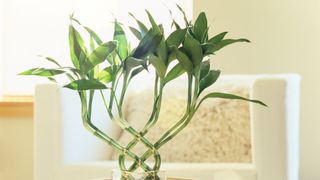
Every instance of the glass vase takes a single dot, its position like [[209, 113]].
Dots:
[[125, 175]]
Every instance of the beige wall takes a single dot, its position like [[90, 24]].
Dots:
[[16, 146], [285, 37]]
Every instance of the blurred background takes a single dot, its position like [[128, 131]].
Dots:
[[285, 37]]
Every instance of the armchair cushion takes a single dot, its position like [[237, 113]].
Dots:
[[219, 131]]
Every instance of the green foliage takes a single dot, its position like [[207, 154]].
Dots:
[[148, 43], [175, 72], [142, 27], [176, 37], [42, 72], [159, 65], [132, 62], [94, 35], [121, 38], [108, 74], [77, 50], [209, 79], [184, 15], [99, 55], [100, 65], [216, 39], [200, 28], [136, 71], [211, 48], [193, 49], [85, 84], [136, 33], [204, 69], [162, 51], [184, 60], [228, 96], [53, 61]]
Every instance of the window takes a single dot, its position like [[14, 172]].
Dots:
[[29, 28]]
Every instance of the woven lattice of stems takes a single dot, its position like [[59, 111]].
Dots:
[[176, 128], [86, 117]]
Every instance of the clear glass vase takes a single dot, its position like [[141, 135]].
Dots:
[[151, 175]]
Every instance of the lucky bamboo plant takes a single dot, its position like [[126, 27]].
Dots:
[[108, 67]]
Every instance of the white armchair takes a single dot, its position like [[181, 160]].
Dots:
[[64, 150]]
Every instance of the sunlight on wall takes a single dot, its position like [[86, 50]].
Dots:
[[39, 27]]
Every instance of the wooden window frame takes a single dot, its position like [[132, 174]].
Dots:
[[16, 107]]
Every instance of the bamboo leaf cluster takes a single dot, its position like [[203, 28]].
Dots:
[[99, 66]]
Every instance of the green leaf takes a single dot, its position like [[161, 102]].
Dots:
[[154, 25], [184, 15], [162, 51], [74, 19], [70, 77], [175, 72], [205, 36], [190, 31], [176, 25], [161, 28], [208, 80], [174, 22], [136, 71], [149, 43], [74, 49], [132, 62], [217, 38], [204, 69], [113, 58], [92, 45], [209, 45], [75, 71], [120, 37], [142, 27], [100, 54], [94, 73], [176, 37], [171, 57], [53, 61], [183, 60], [229, 96], [85, 84], [158, 65], [94, 35], [216, 47], [52, 79], [42, 72], [200, 26], [193, 49], [107, 74], [136, 33], [78, 50]]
